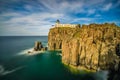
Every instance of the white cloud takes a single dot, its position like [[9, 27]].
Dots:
[[12, 14], [43, 13], [79, 6], [28, 7], [97, 15], [107, 7], [63, 6], [33, 24], [91, 11], [83, 20], [36, 23]]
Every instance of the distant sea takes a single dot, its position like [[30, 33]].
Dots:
[[16, 65]]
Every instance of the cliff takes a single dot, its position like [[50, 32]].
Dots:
[[94, 46], [57, 35]]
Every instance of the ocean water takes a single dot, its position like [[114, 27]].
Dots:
[[16, 65]]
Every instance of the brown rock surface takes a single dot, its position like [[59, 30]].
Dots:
[[94, 46], [57, 35]]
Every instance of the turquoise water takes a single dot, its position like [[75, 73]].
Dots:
[[44, 66]]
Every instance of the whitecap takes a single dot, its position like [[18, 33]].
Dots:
[[23, 52], [31, 50], [6, 72], [59, 54], [1, 69]]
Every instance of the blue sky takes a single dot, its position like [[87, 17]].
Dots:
[[35, 17]]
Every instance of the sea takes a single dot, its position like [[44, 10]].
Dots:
[[16, 64]]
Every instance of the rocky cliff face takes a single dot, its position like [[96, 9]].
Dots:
[[57, 35], [94, 46]]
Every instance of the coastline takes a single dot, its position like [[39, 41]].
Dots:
[[78, 69]]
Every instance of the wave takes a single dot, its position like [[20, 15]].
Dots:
[[6, 72], [26, 52], [59, 54]]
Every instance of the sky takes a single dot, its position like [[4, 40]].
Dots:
[[36, 17]]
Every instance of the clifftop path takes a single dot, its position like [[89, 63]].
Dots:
[[94, 46]]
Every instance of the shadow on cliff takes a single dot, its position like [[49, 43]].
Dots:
[[115, 71]]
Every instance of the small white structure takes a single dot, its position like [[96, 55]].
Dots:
[[64, 25]]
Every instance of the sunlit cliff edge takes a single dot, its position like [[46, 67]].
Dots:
[[93, 46]]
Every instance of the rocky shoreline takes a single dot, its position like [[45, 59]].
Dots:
[[38, 48], [94, 47]]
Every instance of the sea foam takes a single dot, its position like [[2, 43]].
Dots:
[[25, 52], [6, 72]]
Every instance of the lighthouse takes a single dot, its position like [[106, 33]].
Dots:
[[57, 23]]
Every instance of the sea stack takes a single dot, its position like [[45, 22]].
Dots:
[[39, 47], [94, 47]]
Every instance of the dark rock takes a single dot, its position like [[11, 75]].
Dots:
[[29, 51], [118, 49], [44, 49], [38, 46]]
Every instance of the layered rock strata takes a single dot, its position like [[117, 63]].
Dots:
[[94, 46], [57, 35]]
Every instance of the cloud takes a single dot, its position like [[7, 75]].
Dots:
[[97, 15], [33, 24], [63, 6], [83, 19], [86, 20], [35, 17], [107, 7], [91, 11]]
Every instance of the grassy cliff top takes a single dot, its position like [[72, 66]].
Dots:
[[86, 29], [93, 25]]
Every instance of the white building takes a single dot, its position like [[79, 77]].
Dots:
[[58, 24]]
